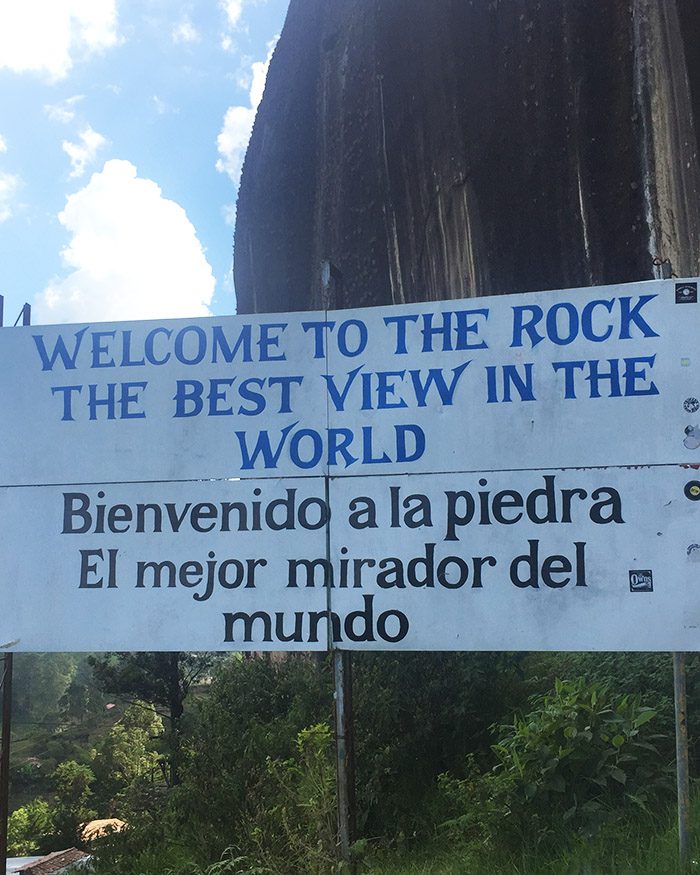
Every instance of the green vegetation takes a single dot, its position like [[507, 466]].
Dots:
[[582, 758], [467, 763]]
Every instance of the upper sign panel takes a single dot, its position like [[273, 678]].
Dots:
[[172, 400], [585, 377]]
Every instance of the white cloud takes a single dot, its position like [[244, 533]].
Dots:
[[9, 184], [46, 36], [233, 13], [84, 152], [244, 74], [233, 138], [163, 108], [233, 10], [185, 32], [63, 112], [259, 70], [133, 253], [228, 211], [232, 141]]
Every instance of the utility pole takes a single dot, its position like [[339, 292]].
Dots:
[[6, 687]]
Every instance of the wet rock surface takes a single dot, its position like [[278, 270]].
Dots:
[[450, 149]]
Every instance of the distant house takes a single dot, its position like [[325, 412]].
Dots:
[[14, 863], [57, 863]]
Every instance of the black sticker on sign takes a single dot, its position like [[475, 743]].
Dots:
[[641, 580], [692, 490], [686, 293]]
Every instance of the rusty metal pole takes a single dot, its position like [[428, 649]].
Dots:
[[664, 270], [5, 759], [345, 758], [682, 772], [344, 736], [332, 297]]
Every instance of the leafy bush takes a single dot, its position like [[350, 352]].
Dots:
[[287, 828], [649, 674], [580, 758], [72, 782], [254, 712], [29, 828], [230, 863], [126, 757], [290, 826], [418, 715], [139, 850], [257, 782]]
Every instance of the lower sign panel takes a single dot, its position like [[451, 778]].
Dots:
[[594, 559]]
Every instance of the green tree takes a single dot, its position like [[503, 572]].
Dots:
[[163, 679], [28, 828], [420, 714], [82, 697], [39, 682], [128, 753], [72, 783], [254, 712]]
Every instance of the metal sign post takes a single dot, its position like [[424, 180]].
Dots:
[[6, 687], [345, 755], [332, 296], [5, 758], [682, 776], [344, 735]]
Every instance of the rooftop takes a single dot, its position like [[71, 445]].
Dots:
[[53, 864]]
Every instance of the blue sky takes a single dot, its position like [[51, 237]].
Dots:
[[123, 125]]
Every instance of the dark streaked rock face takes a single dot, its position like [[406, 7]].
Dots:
[[451, 148]]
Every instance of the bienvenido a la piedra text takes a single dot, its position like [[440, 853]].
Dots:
[[442, 520]]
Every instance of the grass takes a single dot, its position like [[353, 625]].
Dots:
[[636, 851]]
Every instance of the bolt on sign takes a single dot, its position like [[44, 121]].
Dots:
[[511, 472]]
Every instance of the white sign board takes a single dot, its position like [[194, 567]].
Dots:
[[597, 559], [598, 376], [430, 476]]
